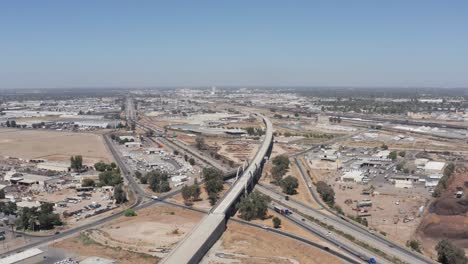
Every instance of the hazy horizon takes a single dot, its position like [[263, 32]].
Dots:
[[122, 44]]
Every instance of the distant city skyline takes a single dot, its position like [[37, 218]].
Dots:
[[57, 44]]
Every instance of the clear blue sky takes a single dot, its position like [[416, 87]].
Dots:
[[99, 43]]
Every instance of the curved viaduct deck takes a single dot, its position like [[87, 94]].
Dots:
[[194, 246]]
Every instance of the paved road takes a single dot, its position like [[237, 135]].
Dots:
[[360, 234], [192, 248], [358, 252], [350, 223], [298, 238]]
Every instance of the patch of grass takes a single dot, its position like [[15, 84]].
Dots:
[[130, 212], [86, 240]]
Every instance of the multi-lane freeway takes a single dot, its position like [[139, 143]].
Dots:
[[194, 246]]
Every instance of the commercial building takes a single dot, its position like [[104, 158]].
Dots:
[[352, 176], [54, 166], [434, 167]]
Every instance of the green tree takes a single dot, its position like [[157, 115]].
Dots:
[[276, 222], [384, 146], [448, 253], [130, 213], [280, 167], [110, 178], [414, 245], [158, 181], [255, 205], [213, 198], [213, 180], [88, 183], [101, 166], [2, 194], [76, 162], [119, 194], [393, 155], [200, 142], [402, 154], [326, 192], [191, 161], [289, 185], [191, 193]]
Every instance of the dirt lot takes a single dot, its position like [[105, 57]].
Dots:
[[447, 218], [153, 231], [391, 204], [53, 145], [245, 244], [238, 150], [85, 246]]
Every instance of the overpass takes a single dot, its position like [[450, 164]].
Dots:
[[195, 245]]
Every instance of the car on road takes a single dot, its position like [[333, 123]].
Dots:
[[154, 197]]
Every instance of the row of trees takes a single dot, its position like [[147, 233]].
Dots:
[[288, 184], [252, 131], [443, 182], [280, 167], [101, 166], [191, 193], [157, 180], [11, 123], [42, 218], [213, 183], [326, 192], [76, 162], [394, 155], [109, 175]]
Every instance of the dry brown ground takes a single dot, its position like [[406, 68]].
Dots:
[[90, 249], [448, 218], [53, 145], [153, 231], [246, 244]]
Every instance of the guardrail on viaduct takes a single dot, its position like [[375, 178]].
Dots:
[[195, 245]]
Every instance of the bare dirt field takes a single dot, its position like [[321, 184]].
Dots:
[[53, 145], [85, 246], [154, 231], [245, 244], [447, 218], [238, 150], [392, 204]]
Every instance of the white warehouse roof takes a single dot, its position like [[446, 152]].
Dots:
[[434, 166]]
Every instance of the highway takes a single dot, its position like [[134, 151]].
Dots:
[[194, 246], [358, 233], [298, 238], [351, 223], [325, 234]]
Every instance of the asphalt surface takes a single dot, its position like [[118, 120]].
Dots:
[[298, 238], [358, 233]]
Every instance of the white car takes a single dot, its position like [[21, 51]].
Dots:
[[154, 197]]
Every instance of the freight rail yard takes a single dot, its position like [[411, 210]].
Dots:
[[209, 176]]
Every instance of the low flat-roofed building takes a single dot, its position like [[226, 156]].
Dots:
[[383, 154], [420, 163], [28, 204], [129, 138], [29, 256], [133, 144], [54, 166], [97, 260], [434, 167], [401, 183], [352, 176]]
